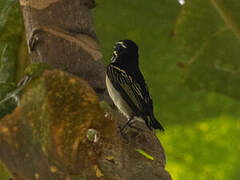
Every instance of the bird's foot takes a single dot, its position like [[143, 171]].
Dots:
[[137, 128], [121, 130], [123, 134]]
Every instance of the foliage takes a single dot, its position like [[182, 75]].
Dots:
[[13, 54], [11, 35], [210, 42], [145, 154], [13, 57], [197, 102]]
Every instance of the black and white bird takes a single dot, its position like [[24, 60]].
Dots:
[[127, 88]]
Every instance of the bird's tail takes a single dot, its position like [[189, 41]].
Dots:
[[152, 123]]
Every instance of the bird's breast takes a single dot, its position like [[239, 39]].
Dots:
[[118, 100]]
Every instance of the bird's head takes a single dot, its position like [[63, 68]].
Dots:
[[126, 46], [125, 51]]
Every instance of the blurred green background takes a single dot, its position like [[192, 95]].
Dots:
[[189, 55]]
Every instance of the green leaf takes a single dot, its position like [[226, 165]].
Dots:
[[145, 154], [13, 53], [8, 104], [13, 48], [209, 32], [11, 100]]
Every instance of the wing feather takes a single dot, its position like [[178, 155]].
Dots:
[[132, 92]]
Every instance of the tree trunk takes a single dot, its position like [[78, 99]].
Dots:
[[60, 130], [61, 33]]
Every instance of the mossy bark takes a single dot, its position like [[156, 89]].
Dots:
[[46, 136]]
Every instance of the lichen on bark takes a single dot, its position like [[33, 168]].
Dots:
[[55, 113], [47, 135]]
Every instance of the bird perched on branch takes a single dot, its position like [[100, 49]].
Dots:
[[126, 86]]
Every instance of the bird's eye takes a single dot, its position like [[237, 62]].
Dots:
[[118, 48]]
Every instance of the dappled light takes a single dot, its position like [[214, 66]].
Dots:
[[206, 149]]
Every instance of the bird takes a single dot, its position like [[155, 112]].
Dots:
[[127, 88]]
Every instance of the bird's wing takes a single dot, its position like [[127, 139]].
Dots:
[[134, 93]]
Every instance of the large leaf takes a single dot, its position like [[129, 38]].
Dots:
[[13, 57], [13, 51], [210, 35]]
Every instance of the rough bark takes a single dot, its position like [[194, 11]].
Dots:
[[61, 33], [46, 137]]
